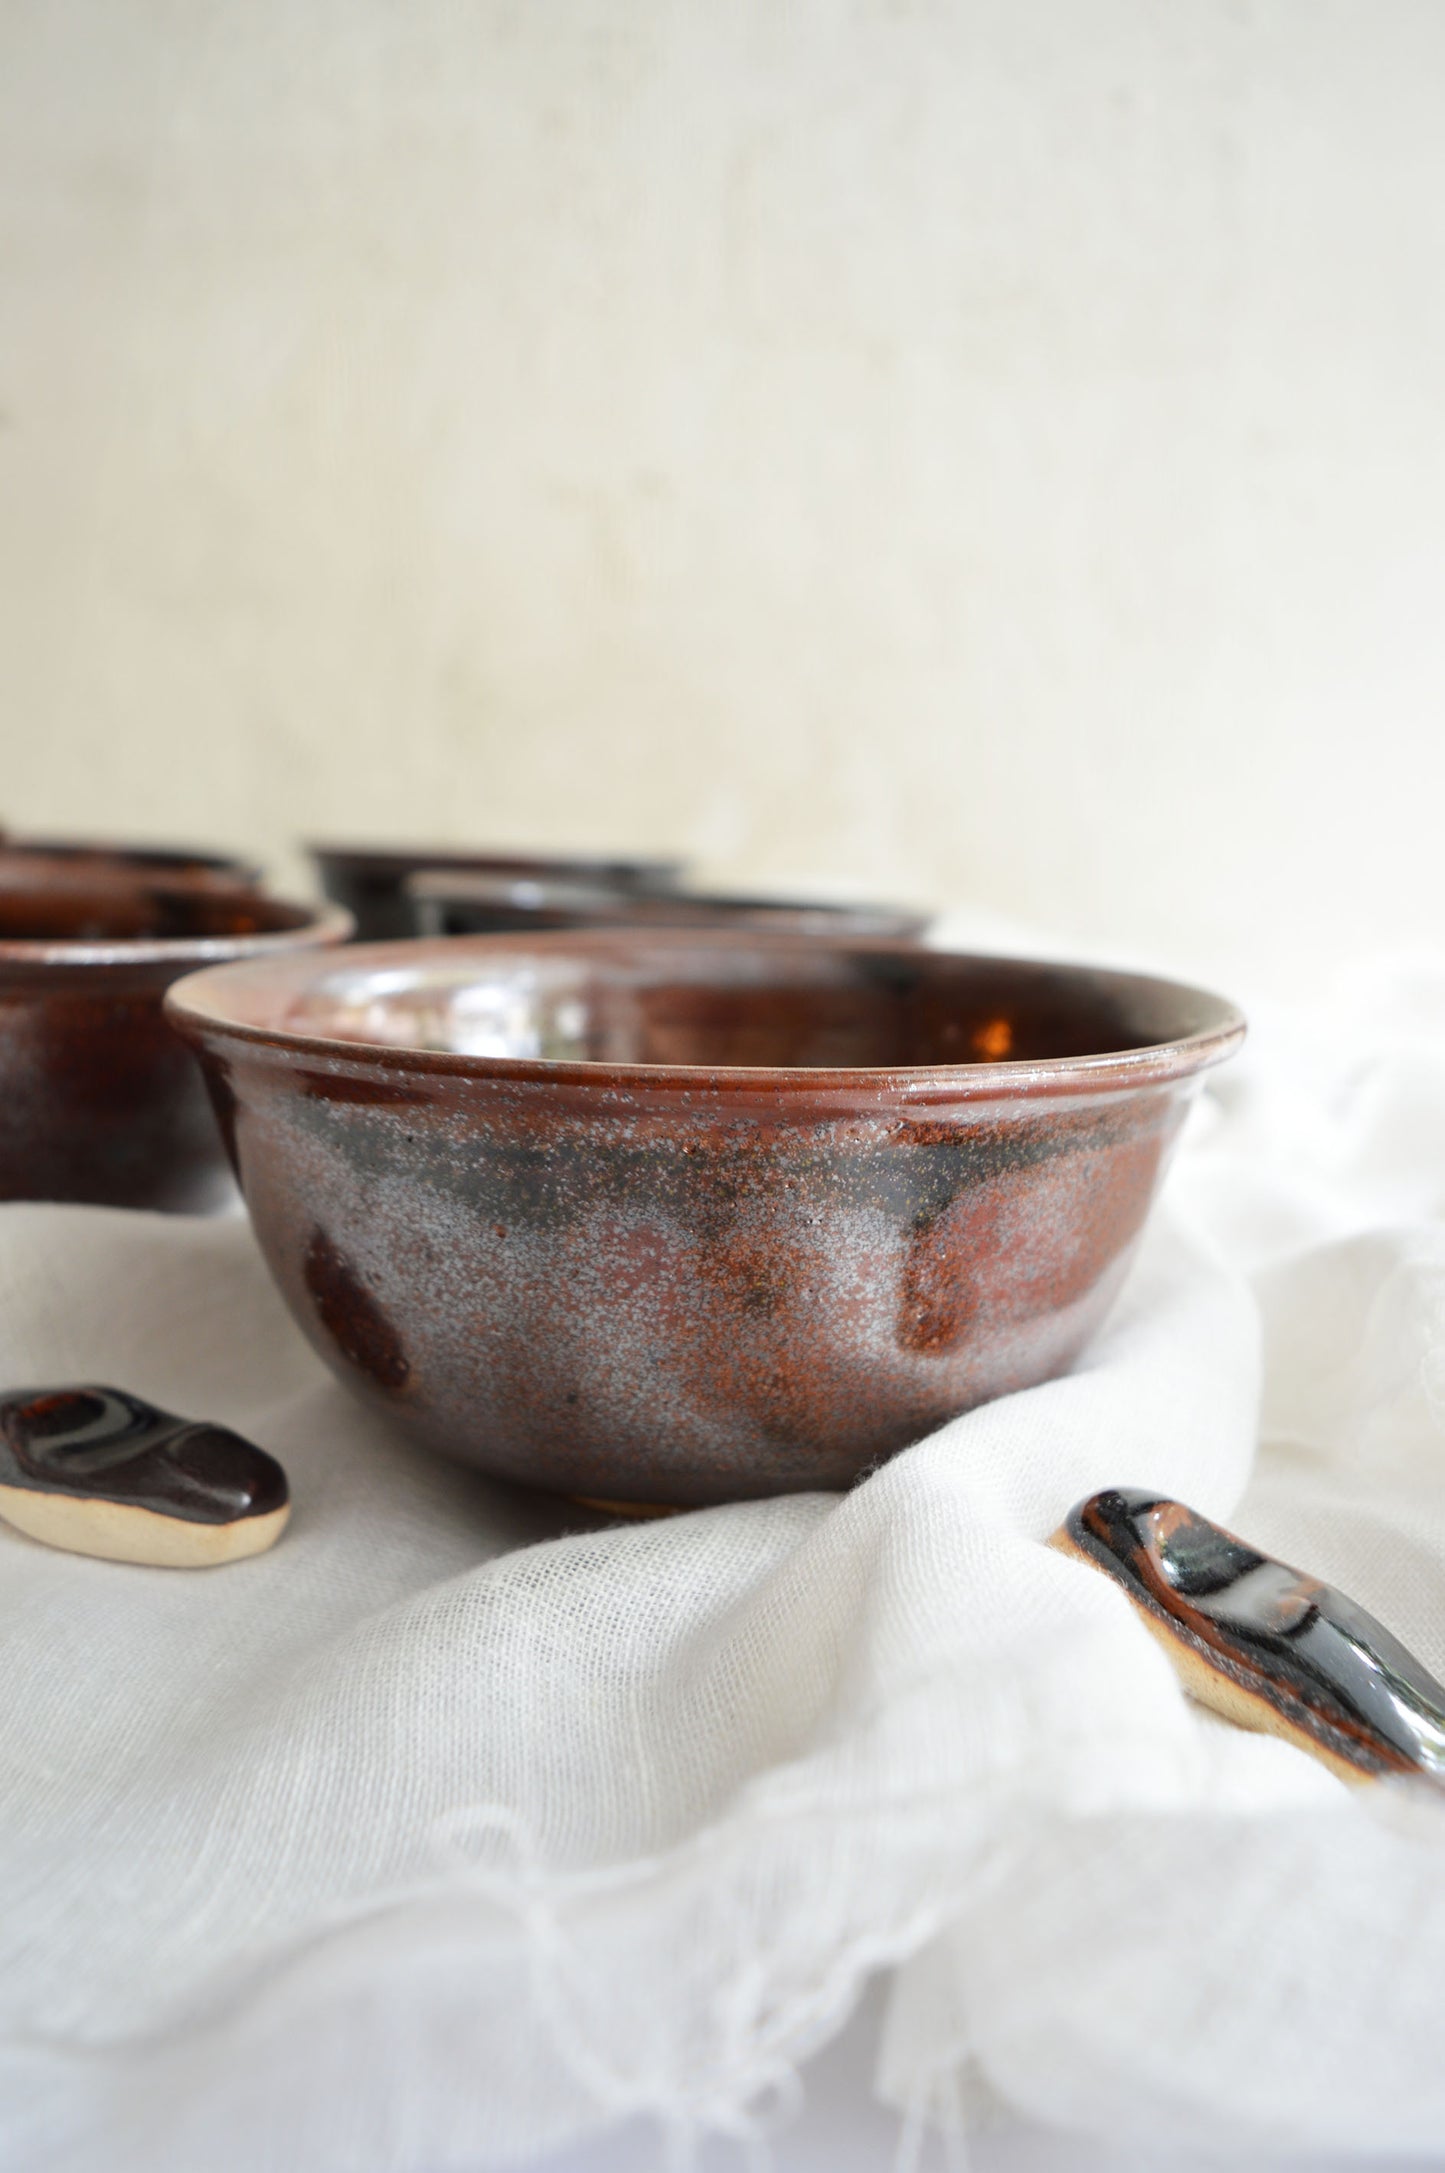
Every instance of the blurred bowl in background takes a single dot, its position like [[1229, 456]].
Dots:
[[369, 880], [445, 904], [99, 1099], [52, 861], [661, 1217]]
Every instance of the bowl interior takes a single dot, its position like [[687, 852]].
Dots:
[[50, 860], [694, 1001], [120, 912]]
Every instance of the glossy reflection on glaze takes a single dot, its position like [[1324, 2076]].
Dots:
[[668, 997], [1263, 1643], [94, 1440], [149, 911], [99, 1471], [677, 1218]]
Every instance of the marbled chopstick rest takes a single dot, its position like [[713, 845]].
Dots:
[[1267, 1646], [98, 1471]]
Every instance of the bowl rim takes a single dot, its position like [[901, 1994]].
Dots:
[[404, 860], [192, 1009], [440, 884], [325, 924]]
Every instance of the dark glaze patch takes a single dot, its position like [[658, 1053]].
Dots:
[[351, 1316], [911, 1178], [223, 1100], [1330, 1672], [102, 1444], [356, 1088]]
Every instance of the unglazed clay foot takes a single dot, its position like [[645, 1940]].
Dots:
[[97, 1471], [1264, 1644]]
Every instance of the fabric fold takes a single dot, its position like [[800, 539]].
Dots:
[[465, 1824]]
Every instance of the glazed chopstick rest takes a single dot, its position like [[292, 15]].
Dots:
[[1262, 1644], [98, 1471]]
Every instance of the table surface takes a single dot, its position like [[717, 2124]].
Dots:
[[843, 2129]]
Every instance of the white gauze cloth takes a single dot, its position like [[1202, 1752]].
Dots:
[[461, 1824]]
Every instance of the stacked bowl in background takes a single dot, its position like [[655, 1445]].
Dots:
[[99, 1099], [393, 891], [445, 904], [370, 881]]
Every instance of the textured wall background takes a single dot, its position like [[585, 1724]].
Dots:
[[991, 449]]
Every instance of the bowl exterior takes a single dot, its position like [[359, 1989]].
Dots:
[[680, 1295], [100, 1099]]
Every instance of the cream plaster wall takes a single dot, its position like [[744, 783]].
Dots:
[[985, 448]]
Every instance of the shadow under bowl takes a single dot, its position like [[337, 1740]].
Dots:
[[99, 1099], [671, 1218], [466, 905], [370, 880]]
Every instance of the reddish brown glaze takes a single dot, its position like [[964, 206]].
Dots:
[[467, 905], [99, 1099], [671, 1218], [51, 861], [370, 880]]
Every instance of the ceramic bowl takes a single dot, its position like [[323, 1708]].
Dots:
[[99, 1100], [49, 862], [370, 880], [467, 905], [669, 1218]]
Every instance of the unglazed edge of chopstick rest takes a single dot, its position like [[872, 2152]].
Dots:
[[1264, 1645], [122, 1532], [98, 1471]]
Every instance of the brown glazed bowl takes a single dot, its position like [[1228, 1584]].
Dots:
[[53, 861], [99, 1100], [669, 1218], [370, 880], [473, 905]]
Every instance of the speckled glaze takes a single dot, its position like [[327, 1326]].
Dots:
[[99, 1099], [673, 1219], [466, 905], [369, 880]]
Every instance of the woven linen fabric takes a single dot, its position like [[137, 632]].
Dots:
[[464, 1824]]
